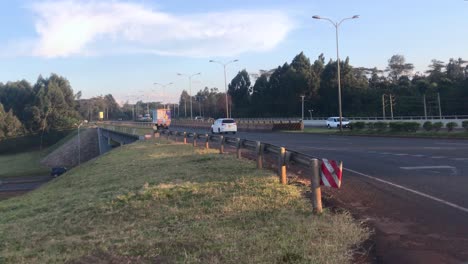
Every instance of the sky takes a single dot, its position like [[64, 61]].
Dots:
[[123, 47]]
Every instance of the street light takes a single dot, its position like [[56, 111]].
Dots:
[[190, 89], [79, 143], [163, 86], [225, 81], [337, 25]]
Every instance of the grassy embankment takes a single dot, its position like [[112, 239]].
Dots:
[[170, 203], [27, 163]]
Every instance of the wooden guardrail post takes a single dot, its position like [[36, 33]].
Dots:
[[238, 148], [175, 136], [282, 166], [185, 137], [207, 141], [168, 133], [259, 153], [195, 139], [221, 144], [315, 185]]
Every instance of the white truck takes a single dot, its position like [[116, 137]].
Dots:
[[161, 118]]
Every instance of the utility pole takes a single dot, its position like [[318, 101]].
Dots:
[[425, 108], [440, 109], [383, 106], [302, 96], [391, 105], [133, 112]]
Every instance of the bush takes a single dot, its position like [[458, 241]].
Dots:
[[411, 126], [428, 126], [370, 125], [380, 126], [451, 125], [437, 126], [358, 125], [404, 126], [465, 125], [396, 126]]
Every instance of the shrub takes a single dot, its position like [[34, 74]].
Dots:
[[465, 125], [370, 125], [411, 126], [358, 125], [404, 126], [396, 126], [437, 126], [380, 126], [428, 126], [451, 125]]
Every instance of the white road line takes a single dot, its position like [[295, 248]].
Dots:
[[427, 167], [460, 159], [447, 143], [419, 155], [401, 154], [437, 157], [463, 209]]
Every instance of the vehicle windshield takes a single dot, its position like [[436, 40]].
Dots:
[[343, 119], [228, 121]]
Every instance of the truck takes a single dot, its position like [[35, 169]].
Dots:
[[161, 118]]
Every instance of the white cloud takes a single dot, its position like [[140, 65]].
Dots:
[[72, 27]]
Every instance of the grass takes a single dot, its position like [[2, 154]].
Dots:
[[169, 203], [28, 163], [22, 164]]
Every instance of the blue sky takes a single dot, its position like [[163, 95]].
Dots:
[[122, 47]]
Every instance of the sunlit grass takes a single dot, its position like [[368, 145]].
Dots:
[[168, 203]]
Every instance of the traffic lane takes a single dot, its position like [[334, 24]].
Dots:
[[436, 179]]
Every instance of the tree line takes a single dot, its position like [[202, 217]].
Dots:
[[395, 90]]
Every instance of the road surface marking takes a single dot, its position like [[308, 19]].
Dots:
[[385, 153], [447, 143], [460, 158], [427, 167], [463, 209], [401, 154], [418, 155], [437, 157], [453, 169]]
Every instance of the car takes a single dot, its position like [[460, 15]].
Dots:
[[199, 118], [57, 171], [224, 125], [335, 122]]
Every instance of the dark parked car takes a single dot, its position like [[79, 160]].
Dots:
[[57, 171]]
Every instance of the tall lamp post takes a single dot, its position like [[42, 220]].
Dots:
[[163, 86], [337, 25], [190, 89], [225, 81]]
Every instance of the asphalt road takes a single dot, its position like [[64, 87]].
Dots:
[[413, 191]]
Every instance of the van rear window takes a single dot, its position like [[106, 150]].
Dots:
[[228, 121]]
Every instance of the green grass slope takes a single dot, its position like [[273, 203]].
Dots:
[[169, 203]]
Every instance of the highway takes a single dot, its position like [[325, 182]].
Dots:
[[414, 192]]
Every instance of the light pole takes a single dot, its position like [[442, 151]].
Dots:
[[337, 25], [79, 144], [190, 90], [302, 96], [163, 86], [225, 82], [310, 112]]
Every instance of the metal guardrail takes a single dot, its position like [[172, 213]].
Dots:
[[285, 157]]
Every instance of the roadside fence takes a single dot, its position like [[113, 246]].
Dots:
[[323, 171]]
